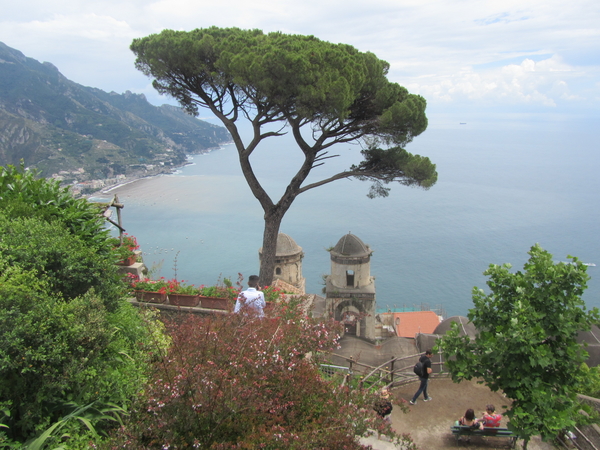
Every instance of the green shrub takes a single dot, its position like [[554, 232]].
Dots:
[[54, 353], [70, 347], [66, 263], [23, 194], [589, 381]]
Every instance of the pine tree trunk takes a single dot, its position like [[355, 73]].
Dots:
[[269, 247]]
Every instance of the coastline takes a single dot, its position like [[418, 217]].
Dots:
[[108, 189], [171, 171]]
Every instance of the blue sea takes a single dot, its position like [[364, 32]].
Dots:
[[503, 186]]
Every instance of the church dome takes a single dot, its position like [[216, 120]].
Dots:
[[466, 326], [286, 246], [351, 246]]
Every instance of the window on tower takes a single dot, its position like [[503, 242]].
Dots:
[[350, 278]]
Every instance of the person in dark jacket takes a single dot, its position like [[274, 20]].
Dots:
[[424, 377]]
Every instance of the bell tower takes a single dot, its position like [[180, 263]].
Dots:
[[350, 289]]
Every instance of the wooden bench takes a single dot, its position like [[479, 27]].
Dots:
[[458, 431]]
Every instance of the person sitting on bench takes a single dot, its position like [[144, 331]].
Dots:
[[469, 420], [490, 419]]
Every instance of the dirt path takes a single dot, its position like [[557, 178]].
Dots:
[[429, 422]]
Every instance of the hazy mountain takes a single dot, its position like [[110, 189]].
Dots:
[[55, 124]]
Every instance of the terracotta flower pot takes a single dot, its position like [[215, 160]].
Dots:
[[184, 299], [150, 297], [129, 261], [215, 303]]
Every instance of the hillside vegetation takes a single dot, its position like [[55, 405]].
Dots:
[[56, 125]]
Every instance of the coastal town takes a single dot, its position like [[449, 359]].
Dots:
[[81, 185]]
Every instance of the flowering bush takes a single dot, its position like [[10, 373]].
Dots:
[[272, 293], [232, 382], [178, 287], [161, 285], [126, 249], [219, 291]]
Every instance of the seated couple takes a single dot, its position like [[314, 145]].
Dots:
[[489, 420]]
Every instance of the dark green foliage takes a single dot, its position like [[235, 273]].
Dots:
[[68, 342], [54, 352], [289, 78], [388, 164], [23, 193], [92, 417], [527, 342], [323, 94], [68, 266]]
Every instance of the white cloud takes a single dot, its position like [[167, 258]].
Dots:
[[509, 52], [543, 83]]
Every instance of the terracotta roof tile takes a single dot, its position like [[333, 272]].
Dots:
[[408, 324], [286, 286]]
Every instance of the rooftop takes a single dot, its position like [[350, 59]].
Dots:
[[408, 324]]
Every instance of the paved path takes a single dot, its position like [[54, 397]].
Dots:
[[429, 422]]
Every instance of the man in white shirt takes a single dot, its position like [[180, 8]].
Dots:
[[251, 298]]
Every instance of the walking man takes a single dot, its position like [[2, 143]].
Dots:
[[251, 298], [425, 360]]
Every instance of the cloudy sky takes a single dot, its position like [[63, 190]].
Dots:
[[529, 58]]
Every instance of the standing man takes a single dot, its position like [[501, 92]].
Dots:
[[425, 360], [251, 298]]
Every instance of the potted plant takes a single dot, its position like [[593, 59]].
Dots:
[[152, 291], [181, 294], [272, 295], [125, 251], [220, 296]]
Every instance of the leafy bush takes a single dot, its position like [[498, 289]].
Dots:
[[71, 350], [65, 262], [66, 337], [589, 381], [526, 344], [23, 194], [54, 353]]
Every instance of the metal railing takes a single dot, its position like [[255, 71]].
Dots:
[[394, 372]]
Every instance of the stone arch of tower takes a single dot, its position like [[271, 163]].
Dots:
[[355, 315]]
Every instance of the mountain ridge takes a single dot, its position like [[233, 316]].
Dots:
[[83, 133]]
